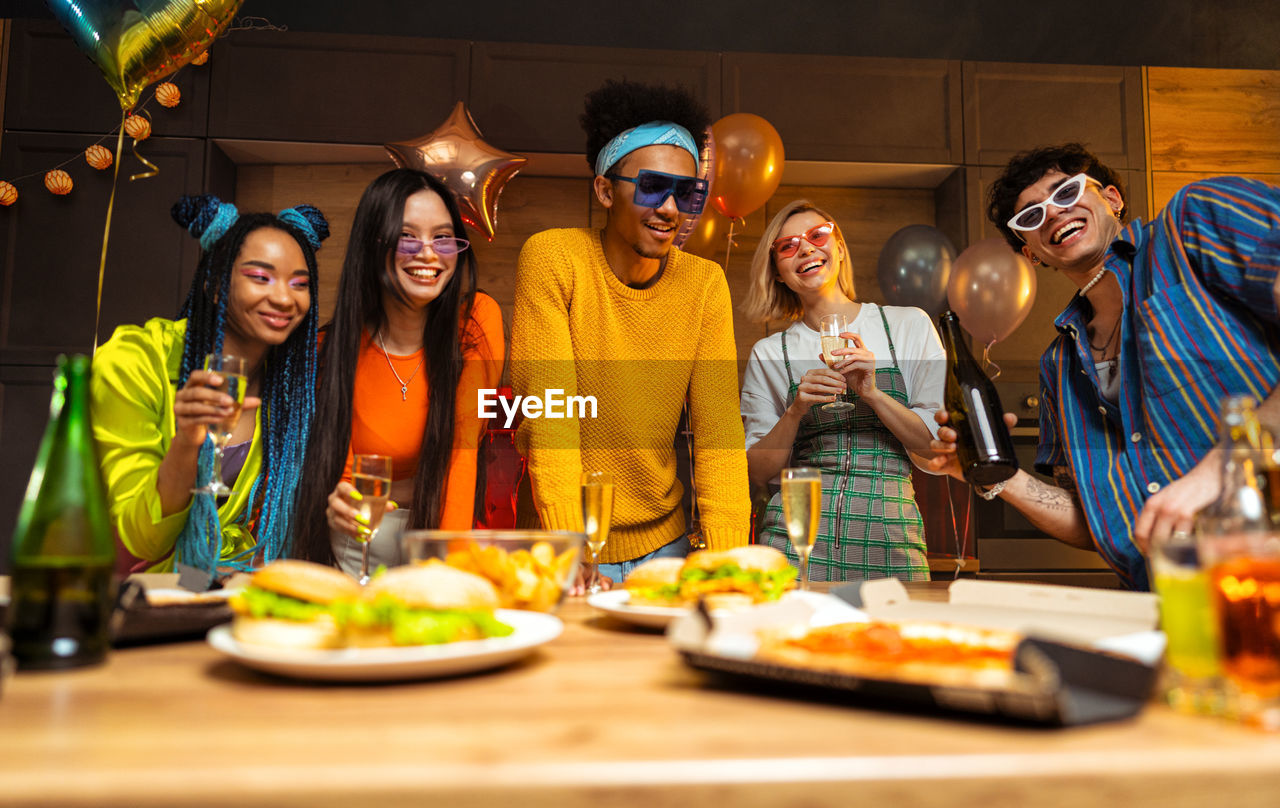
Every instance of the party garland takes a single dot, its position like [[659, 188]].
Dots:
[[137, 126]]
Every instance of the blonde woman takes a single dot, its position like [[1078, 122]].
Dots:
[[893, 374]]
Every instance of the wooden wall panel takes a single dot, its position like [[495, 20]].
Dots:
[[1214, 121], [53, 87], [852, 109], [1012, 107], [50, 246], [528, 97], [1167, 183], [333, 88]]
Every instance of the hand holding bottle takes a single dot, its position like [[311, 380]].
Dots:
[[944, 460]]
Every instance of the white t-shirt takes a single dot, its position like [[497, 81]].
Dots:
[[921, 359]]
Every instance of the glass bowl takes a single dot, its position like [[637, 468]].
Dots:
[[532, 569]]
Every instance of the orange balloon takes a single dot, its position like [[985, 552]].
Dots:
[[710, 237], [749, 159]]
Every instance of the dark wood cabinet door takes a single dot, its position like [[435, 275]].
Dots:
[[852, 109], [332, 88], [50, 245], [1011, 107], [53, 87], [529, 97]]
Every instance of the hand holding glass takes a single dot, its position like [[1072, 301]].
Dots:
[[371, 477], [231, 369], [831, 327], [802, 510], [597, 513]]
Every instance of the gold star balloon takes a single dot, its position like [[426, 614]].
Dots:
[[474, 171]]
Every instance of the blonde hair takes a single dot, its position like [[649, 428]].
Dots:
[[768, 298]]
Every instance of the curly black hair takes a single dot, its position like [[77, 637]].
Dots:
[[1026, 168], [622, 105]]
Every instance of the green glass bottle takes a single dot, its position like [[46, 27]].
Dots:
[[63, 554], [983, 445]]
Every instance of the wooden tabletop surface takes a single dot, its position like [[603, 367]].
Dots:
[[606, 715]]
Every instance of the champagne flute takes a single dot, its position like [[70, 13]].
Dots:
[[831, 327], [597, 512], [234, 382], [371, 476], [801, 510]]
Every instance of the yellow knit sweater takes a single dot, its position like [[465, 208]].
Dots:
[[577, 328]]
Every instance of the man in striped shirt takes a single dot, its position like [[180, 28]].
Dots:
[[1172, 315]]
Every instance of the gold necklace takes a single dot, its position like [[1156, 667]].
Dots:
[[404, 383]]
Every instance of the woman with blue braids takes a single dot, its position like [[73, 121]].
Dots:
[[253, 297]]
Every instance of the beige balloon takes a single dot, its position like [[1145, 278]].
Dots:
[[991, 290]]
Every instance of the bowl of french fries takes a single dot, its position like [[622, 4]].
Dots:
[[531, 569]]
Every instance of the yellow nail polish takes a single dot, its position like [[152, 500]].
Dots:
[[393, 503], [356, 495]]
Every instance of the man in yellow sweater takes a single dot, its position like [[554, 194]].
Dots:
[[621, 315]]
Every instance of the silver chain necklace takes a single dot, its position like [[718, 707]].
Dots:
[[404, 383]]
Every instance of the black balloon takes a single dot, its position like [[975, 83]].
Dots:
[[914, 268]]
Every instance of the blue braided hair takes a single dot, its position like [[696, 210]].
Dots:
[[287, 386]]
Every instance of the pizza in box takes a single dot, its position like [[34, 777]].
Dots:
[[921, 652]]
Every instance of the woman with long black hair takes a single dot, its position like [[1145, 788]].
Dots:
[[410, 344]]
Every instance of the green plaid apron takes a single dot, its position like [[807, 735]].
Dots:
[[871, 526]]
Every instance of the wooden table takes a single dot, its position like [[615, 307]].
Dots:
[[603, 716]]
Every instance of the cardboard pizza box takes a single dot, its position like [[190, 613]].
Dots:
[[1071, 614]]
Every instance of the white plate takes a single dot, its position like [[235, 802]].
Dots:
[[532, 629], [615, 602]]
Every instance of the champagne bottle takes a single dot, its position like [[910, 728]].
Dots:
[[1243, 504], [63, 553], [983, 445]]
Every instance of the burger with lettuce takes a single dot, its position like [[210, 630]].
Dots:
[[726, 579], [299, 605], [422, 604], [290, 604]]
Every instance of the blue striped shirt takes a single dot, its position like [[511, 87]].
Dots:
[[1199, 323]]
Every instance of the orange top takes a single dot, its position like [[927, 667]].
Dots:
[[385, 423]]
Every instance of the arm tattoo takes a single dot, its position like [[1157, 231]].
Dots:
[[1062, 476], [1048, 496]]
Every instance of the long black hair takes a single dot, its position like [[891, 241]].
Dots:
[[367, 275], [288, 375]]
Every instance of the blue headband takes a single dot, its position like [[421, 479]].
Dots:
[[654, 133]]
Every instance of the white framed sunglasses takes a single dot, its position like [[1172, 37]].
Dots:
[[1064, 196]]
